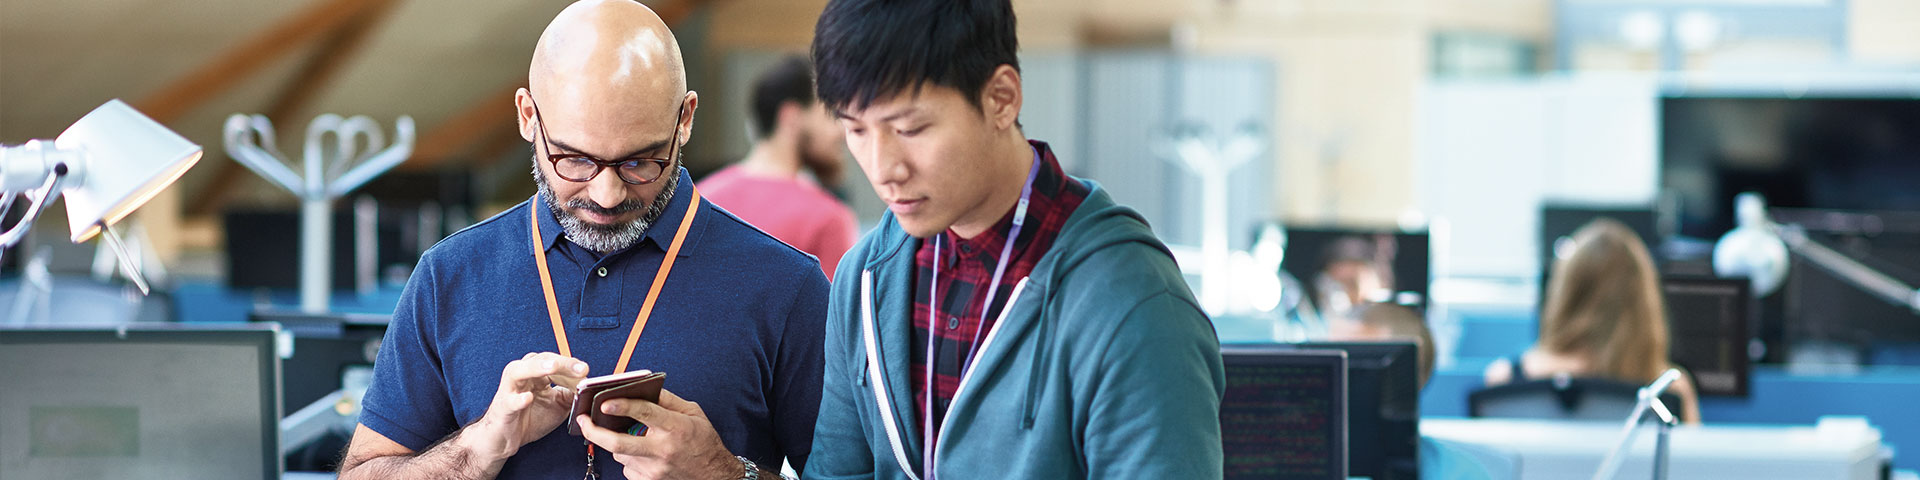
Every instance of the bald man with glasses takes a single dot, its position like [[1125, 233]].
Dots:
[[616, 264]]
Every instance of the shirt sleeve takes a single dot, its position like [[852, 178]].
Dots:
[[840, 443], [1170, 431], [797, 375], [407, 401]]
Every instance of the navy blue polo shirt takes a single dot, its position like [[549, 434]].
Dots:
[[737, 328]]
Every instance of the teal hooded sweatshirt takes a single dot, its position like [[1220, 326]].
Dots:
[[1101, 366]]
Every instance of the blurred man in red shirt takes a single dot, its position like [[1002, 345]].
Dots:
[[792, 132]]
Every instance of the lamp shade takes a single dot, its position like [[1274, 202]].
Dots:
[[124, 159]]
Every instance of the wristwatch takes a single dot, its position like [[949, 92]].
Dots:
[[752, 471]]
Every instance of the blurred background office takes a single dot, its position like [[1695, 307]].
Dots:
[[1305, 159]]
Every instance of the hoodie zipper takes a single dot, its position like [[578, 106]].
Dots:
[[877, 379], [986, 343]]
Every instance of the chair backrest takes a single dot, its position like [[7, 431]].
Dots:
[[1561, 398]]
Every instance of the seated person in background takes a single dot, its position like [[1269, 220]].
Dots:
[[1605, 318], [1386, 322], [793, 135]]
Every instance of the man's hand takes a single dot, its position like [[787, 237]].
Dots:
[[536, 392], [678, 444]]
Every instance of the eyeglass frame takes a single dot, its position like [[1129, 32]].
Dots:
[[673, 149]]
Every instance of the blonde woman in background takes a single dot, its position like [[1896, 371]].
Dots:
[[1605, 318]]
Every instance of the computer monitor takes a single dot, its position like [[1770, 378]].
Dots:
[[1383, 407], [326, 346], [140, 401], [1406, 253], [1711, 325], [1812, 150], [1559, 220], [1284, 414]]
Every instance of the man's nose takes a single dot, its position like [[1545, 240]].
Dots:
[[606, 189], [889, 165]]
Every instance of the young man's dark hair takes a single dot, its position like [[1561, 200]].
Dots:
[[791, 80], [868, 49]]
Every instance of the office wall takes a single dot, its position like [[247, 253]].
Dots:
[[1492, 152], [1346, 75], [1884, 31]]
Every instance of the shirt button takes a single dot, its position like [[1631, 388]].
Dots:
[[602, 271], [953, 322]]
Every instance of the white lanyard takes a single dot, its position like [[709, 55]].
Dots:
[[933, 311]]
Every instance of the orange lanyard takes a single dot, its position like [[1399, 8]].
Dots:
[[659, 279]]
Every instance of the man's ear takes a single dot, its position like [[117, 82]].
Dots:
[[691, 103], [523, 113], [1001, 97]]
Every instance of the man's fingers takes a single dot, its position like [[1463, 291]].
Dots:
[[536, 371], [616, 442], [654, 416], [509, 405], [556, 395], [680, 405]]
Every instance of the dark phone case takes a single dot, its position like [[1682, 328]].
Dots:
[[588, 402]]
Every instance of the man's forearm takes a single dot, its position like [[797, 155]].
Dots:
[[449, 459]]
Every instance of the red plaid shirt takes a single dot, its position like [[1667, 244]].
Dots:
[[964, 276]]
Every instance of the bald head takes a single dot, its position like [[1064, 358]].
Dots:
[[613, 48], [606, 74]]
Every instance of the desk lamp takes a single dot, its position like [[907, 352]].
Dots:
[[1757, 248], [107, 164]]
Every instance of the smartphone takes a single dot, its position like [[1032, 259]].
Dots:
[[639, 384]]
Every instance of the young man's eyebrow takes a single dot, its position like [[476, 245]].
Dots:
[[842, 115]]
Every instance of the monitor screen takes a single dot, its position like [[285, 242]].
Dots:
[[1383, 407], [1561, 220], [1309, 252], [1711, 323], [1284, 416], [1811, 152], [165, 401]]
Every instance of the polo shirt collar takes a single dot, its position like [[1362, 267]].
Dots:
[[660, 234]]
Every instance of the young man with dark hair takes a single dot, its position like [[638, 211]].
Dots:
[[1005, 320], [792, 133]]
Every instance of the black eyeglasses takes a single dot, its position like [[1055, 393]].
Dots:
[[580, 167]]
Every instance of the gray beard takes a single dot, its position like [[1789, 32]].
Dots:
[[605, 239]]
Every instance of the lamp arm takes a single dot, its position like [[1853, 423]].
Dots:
[[1649, 400], [1850, 271], [40, 196], [6, 203]]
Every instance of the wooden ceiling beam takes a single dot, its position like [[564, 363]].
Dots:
[[248, 58], [489, 114]]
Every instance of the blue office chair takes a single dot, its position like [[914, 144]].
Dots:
[[1561, 398]]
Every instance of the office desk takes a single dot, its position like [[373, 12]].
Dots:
[[1543, 450]]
